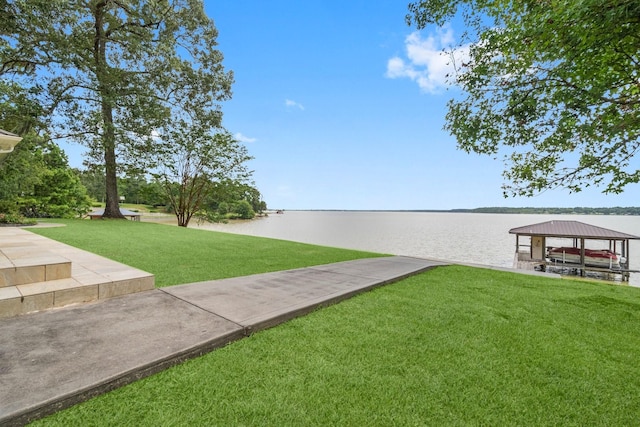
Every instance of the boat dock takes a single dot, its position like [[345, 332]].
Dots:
[[534, 251]]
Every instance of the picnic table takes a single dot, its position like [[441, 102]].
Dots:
[[133, 216]]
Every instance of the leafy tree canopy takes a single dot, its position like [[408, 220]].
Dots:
[[108, 72], [36, 181], [227, 193], [551, 86]]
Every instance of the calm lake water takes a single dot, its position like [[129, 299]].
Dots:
[[463, 237]]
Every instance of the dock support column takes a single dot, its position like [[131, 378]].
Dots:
[[583, 273]]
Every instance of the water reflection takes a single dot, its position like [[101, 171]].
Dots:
[[462, 237]]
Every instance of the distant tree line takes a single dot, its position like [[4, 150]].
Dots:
[[557, 211], [225, 199], [36, 181]]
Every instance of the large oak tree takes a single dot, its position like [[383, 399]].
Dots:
[[552, 86], [109, 72]]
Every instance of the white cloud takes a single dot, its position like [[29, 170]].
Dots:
[[428, 60], [242, 138], [293, 104]]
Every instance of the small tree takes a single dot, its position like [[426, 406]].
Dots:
[[223, 208], [188, 160]]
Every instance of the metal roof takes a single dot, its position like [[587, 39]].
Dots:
[[570, 229], [8, 141], [4, 132]]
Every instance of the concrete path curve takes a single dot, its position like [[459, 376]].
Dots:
[[54, 359]]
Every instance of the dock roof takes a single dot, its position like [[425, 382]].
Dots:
[[571, 229], [5, 133]]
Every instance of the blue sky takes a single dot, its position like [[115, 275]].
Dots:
[[342, 106]]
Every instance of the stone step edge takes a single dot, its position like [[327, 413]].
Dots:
[[35, 272], [28, 298]]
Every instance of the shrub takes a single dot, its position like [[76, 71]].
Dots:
[[223, 208], [8, 207], [15, 218], [243, 209]]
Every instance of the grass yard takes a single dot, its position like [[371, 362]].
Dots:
[[452, 346], [178, 255]]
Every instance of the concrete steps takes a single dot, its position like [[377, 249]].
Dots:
[[24, 265], [37, 274]]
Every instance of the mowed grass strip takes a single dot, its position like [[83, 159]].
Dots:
[[452, 346], [178, 255]]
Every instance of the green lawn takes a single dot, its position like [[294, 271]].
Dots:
[[178, 255], [452, 346]]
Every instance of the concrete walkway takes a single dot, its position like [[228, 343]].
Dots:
[[53, 359]]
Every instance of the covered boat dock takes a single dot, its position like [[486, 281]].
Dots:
[[533, 248]]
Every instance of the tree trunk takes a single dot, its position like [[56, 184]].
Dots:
[[105, 90], [112, 205]]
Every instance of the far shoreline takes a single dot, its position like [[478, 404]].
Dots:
[[497, 210]]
